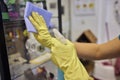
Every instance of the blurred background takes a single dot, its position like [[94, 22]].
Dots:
[[91, 21]]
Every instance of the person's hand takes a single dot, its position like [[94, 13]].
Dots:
[[63, 55], [42, 35]]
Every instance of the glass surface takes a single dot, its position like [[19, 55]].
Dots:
[[22, 47]]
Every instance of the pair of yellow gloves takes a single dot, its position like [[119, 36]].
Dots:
[[63, 55]]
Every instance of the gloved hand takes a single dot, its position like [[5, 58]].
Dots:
[[42, 34], [63, 55]]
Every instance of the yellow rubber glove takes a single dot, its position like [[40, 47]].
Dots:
[[63, 55]]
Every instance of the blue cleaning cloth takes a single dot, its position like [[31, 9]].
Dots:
[[29, 9]]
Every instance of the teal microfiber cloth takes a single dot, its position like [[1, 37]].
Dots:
[[30, 7]]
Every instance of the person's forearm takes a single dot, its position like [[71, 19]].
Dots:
[[110, 49], [87, 50], [92, 51]]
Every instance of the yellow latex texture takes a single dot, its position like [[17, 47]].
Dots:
[[63, 55]]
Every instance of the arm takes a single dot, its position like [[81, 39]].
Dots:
[[62, 55], [110, 49]]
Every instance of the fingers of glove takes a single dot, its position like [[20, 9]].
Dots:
[[39, 23], [39, 20], [34, 23], [35, 17]]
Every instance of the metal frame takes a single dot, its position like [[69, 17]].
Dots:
[[4, 65], [59, 16]]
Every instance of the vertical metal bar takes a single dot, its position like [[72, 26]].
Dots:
[[44, 4], [70, 22], [60, 73], [59, 16], [4, 65]]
